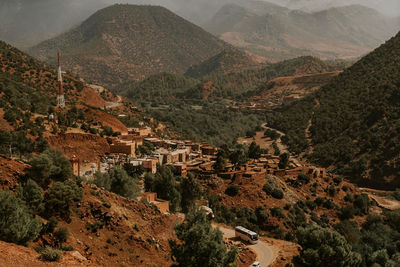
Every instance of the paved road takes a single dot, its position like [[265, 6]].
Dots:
[[263, 251]]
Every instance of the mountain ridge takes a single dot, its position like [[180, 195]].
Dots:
[[115, 54]]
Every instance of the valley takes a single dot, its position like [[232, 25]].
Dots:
[[153, 139]]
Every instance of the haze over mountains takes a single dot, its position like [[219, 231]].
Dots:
[[25, 23], [129, 42], [280, 33]]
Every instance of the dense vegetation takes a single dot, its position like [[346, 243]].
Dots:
[[194, 108], [201, 244], [355, 121]]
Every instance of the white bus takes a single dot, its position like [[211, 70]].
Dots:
[[246, 235]]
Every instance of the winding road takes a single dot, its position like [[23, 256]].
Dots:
[[264, 253]]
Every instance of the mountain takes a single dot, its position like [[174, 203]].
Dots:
[[129, 42], [352, 123], [280, 33], [229, 60], [387, 7]]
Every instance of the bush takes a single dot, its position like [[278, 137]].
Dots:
[[303, 178], [324, 247], [17, 225], [49, 166], [276, 193], [267, 188], [232, 190], [61, 196], [33, 196], [277, 212], [50, 254], [61, 234], [67, 248]]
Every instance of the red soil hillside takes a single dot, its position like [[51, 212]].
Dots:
[[9, 172], [90, 97], [132, 234], [106, 119], [292, 87], [85, 146], [4, 125], [20, 256]]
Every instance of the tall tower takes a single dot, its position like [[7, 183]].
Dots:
[[60, 93]]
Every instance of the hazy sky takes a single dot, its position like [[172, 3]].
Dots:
[[26, 22]]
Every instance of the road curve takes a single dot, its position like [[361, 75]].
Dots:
[[263, 251]]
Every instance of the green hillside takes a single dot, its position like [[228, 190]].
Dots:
[[130, 42], [229, 60], [355, 125]]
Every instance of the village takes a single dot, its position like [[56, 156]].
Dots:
[[185, 156]]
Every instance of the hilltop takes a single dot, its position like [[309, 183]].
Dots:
[[229, 60], [130, 42], [351, 123], [279, 33]]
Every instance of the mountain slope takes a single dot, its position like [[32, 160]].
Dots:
[[229, 60], [388, 7], [354, 119], [279, 33], [125, 42]]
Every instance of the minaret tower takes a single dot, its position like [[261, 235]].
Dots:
[[60, 93]]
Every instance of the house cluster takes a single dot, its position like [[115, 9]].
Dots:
[[183, 155], [269, 165]]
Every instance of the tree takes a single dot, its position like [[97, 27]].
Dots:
[[122, 184], [146, 149], [61, 196], [324, 247], [33, 196], [238, 157], [17, 225], [166, 187], [232, 190], [284, 161], [254, 151], [200, 244], [48, 166], [220, 163], [190, 192]]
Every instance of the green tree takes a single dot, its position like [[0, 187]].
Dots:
[[190, 192], [166, 187], [200, 244], [32, 194], [284, 161], [324, 247], [17, 225], [122, 184], [61, 196], [254, 151], [220, 163], [48, 166]]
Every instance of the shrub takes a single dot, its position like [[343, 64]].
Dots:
[[232, 190], [50, 254], [347, 213], [61, 196], [33, 196], [324, 247], [303, 178], [17, 225], [267, 188], [61, 234], [49, 166], [277, 212], [67, 248], [276, 193]]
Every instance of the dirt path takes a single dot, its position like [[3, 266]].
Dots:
[[380, 197], [265, 253]]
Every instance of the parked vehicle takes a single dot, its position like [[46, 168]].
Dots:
[[246, 235]]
